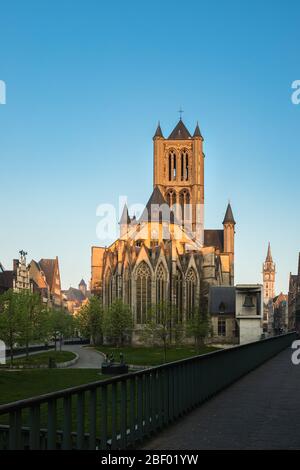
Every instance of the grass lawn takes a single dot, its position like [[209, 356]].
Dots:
[[43, 358], [155, 355], [20, 384]]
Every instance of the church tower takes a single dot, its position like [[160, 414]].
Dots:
[[269, 276], [178, 171]]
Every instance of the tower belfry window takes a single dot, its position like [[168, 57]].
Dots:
[[184, 163], [172, 166]]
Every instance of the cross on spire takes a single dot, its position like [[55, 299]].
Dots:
[[180, 112]]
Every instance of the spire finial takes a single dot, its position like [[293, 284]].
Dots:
[[180, 113]]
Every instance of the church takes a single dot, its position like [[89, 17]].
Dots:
[[167, 254]]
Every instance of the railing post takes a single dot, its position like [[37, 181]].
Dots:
[[34, 434], [123, 430], [15, 430], [67, 426], [132, 408], [51, 434], [114, 416], [80, 444], [103, 418], [92, 420]]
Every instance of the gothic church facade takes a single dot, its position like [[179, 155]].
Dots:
[[167, 255]]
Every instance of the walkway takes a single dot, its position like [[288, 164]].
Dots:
[[89, 358], [260, 411]]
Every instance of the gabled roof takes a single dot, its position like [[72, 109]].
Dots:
[[82, 283], [229, 219], [180, 132], [153, 210], [158, 132], [74, 294], [48, 267]]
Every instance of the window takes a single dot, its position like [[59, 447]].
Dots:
[[184, 201], [108, 288], [171, 198], [172, 166], [143, 292], [160, 291], [191, 280], [127, 286], [221, 327], [184, 163], [178, 291]]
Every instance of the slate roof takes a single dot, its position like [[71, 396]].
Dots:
[[228, 216], [125, 219], [74, 294], [221, 298], [152, 212], [82, 283], [48, 267], [214, 238], [197, 132], [180, 132], [158, 132], [6, 280]]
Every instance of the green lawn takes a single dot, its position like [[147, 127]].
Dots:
[[43, 358], [20, 384], [153, 356]]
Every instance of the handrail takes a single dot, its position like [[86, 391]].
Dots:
[[122, 410], [14, 406]]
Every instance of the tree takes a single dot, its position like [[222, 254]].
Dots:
[[32, 318], [89, 320], [60, 324], [118, 322], [162, 326], [199, 326], [10, 320]]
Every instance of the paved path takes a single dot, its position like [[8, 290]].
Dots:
[[89, 358], [260, 411]]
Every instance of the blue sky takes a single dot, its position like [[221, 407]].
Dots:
[[87, 82]]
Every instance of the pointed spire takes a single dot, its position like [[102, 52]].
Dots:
[[158, 132], [269, 254], [125, 219], [180, 132], [228, 219], [197, 132]]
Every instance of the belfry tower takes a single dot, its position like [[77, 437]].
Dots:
[[178, 171], [269, 271]]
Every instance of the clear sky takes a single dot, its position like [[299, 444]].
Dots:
[[87, 82]]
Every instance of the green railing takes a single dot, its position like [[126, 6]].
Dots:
[[120, 412]]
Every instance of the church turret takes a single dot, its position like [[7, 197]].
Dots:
[[124, 221], [269, 271], [229, 231]]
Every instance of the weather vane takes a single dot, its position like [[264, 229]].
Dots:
[[180, 112]]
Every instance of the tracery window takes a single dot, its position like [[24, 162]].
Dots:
[[160, 291], [191, 281], [143, 292]]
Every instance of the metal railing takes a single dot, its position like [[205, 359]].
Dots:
[[121, 411]]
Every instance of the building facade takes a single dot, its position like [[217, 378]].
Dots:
[[167, 255], [294, 300]]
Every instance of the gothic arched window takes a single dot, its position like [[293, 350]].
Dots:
[[191, 281], [172, 165], [143, 292], [184, 201], [178, 293], [127, 286], [108, 288], [160, 291], [171, 197], [184, 160]]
